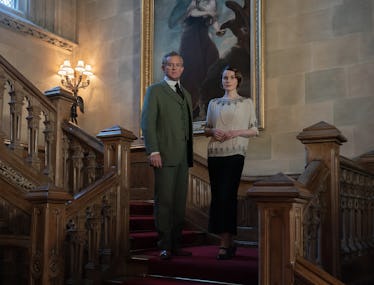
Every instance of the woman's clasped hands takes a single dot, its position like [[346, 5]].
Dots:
[[221, 135]]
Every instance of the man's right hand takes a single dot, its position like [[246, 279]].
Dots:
[[155, 160]]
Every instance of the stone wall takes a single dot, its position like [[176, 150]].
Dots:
[[109, 38], [319, 66]]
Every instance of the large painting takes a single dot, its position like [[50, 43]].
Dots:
[[209, 34]]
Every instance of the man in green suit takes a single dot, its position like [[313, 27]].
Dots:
[[167, 129]]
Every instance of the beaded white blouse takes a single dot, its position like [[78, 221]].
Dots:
[[230, 114]]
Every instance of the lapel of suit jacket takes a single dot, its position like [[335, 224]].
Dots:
[[187, 97], [171, 92]]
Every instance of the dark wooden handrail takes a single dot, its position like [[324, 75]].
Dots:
[[81, 134], [27, 86], [98, 188], [307, 273]]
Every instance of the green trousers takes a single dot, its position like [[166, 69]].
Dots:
[[171, 186]]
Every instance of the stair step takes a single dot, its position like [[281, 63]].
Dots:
[[143, 234], [148, 239], [203, 265], [142, 223], [161, 280], [193, 281], [139, 208]]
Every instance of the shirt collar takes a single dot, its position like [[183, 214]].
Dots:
[[171, 83]]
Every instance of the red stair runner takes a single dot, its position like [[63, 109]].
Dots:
[[200, 268]]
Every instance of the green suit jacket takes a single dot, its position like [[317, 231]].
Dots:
[[163, 123]]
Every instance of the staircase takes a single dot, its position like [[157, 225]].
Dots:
[[65, 194], [200, 268]]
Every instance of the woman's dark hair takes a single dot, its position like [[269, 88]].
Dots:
[[238, 74]]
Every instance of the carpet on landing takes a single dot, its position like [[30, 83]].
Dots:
[[203, 264]]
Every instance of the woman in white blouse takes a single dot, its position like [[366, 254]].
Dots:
[[231, 121]]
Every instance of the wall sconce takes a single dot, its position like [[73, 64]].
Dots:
[[74, 79]]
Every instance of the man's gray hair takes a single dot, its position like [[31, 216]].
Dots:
[[169, 54]]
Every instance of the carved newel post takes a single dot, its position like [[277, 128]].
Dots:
[[280, 201], [62, 100], [322, 142], [47, 235], [117, 142]]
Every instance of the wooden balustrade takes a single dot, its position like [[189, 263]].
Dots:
[[97, 231], [333, 227], [71, 189], [91, 231], [82, 158], [308, 273], [357, 211], [27, 120], [357, 220], [199, 186]]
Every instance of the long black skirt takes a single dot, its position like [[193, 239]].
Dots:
[[224, 174]]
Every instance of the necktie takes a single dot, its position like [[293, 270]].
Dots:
[[179, 91]]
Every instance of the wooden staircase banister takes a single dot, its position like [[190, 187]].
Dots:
[[353, 165], [307, 273], [75, 187], [75, 204], [7, 71], [285, 214], [27, 123], [324, 237], [32, 175], [90, 228], [99, 187], [367, 160], [80, 134]]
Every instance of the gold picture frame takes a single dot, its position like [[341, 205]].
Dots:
[[256, 54]]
